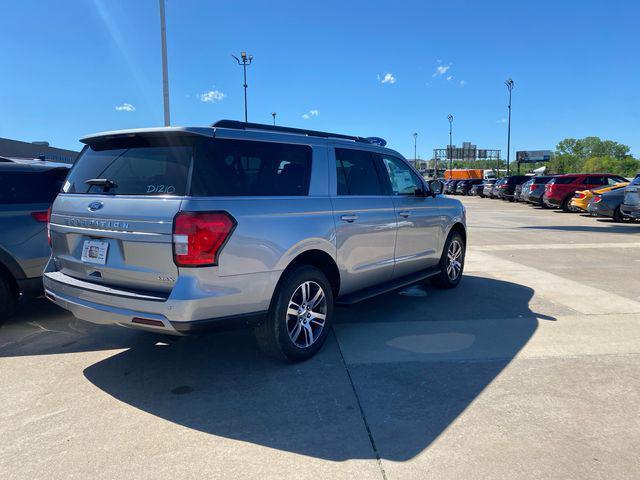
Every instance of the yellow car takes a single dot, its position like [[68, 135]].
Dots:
[[582, 198]]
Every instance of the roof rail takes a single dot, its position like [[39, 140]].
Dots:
[[238, 125]]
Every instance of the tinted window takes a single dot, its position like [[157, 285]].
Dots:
[[31, 187], [248, 168], [597, 180], [357, 173], [563, 180], [539, 180], [403, 180], [136, 167]]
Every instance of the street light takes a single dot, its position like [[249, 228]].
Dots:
[[415, 148], [273, 114], [165, 73], [509, 84], [450, 118], [244, 62]]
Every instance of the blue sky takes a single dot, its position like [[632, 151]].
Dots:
[[67, 66]]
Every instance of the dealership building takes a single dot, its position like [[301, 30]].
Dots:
[[42, 150]]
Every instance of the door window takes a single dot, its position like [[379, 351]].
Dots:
[[403, 180], [356, 173]]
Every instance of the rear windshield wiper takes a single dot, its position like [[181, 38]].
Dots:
[[101, 182]]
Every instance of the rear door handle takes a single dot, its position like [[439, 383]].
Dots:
[[404, 213], [351, 217]]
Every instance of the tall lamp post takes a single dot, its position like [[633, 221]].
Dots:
[[165, 73], [273, 114], [509, 84], [450, 118], [415, 148], [246, 61]]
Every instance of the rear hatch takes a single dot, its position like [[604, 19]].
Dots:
[[632, 193], [112, 223]]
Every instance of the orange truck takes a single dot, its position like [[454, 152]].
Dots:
[[464, 173]]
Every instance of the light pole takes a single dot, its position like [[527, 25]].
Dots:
[[244, 62], [509, 84], [273, 114], [165, 71], [450, 118], [415, 148]]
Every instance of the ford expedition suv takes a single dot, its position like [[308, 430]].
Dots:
[[177, 229]]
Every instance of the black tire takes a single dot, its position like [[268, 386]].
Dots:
[[8, 296], [566, 205], [618, 216], [443, 280], [273, 335]]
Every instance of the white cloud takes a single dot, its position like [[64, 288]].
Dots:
[[212, 96], [441, 70], [310, 113], [502, 120], [463, 82], [388, 78], [450, 77], [125, 107]]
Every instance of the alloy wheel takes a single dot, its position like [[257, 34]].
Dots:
[[306, 314], [454, 259]]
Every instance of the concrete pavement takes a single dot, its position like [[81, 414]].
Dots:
[[529, 369]]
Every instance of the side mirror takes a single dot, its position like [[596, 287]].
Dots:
[[436, 187]]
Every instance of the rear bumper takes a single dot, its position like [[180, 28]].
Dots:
[[600, 209], [632, 211], [229, 302]]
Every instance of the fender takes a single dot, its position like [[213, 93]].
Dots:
[[9, 262]]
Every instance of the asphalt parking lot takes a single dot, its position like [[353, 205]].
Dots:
[[529, 369]]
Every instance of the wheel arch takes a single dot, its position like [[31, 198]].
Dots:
[[320, 260]]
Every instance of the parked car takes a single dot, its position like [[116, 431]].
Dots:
[[483, 189], [560, 190], [495, 188], [536, 190], [518, 194], [581, 199], [631, 205], [608, 205], [27, 190], [450, 187], [507, 189], [463, 187], [177, 229]]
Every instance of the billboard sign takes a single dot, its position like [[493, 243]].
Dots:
[[533, 156]]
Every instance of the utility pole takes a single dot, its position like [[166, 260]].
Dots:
[[244, 62], [273, 114], [509, 84], [450, 118], [165, 69]]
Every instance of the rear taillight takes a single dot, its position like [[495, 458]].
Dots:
[[596, 199], [199, 236], [44, 217]]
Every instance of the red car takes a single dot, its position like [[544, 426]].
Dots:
[[559, 190]]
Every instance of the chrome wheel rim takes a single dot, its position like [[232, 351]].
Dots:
[[306, 314], [454, 260]]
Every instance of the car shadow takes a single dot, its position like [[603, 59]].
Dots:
[[221, 385], [603, 225]]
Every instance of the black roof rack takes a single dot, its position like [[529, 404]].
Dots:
[[238, 125]]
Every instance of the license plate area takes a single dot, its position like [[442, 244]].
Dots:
[[95, 251]]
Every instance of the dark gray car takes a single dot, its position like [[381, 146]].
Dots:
[[608, 205], [27, 190], [631, 204]]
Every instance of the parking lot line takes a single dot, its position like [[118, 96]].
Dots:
[[555, 246]]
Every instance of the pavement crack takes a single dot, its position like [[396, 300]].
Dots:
[[362, 415]]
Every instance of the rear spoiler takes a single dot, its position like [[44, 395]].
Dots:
[[147, 133]]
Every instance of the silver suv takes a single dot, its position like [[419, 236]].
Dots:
[[178, 229]]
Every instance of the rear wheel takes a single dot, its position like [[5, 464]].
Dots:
[[451, 262], [300, 316], [8, 296], [618, 216], [566, 205]]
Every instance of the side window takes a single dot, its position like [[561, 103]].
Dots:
[[596, 180], [30, 187], [403, 180], [356, 173], [249, 168]]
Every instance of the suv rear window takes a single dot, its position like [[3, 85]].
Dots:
[[31, 187], [137, 166], [562, 180], [249, 168]]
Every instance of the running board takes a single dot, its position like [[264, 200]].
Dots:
[[360, 295]]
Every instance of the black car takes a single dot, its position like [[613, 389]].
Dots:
[[507, 189], [483, 189], [450, 187], [464, 186], [536, 190]]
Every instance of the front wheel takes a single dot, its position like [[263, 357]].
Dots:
[[451, 262], [300, 315]]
